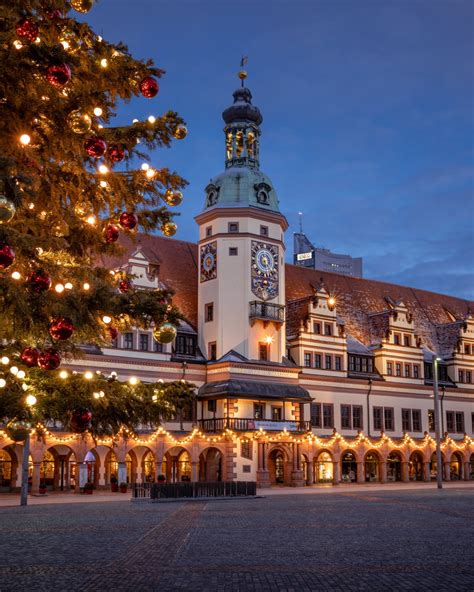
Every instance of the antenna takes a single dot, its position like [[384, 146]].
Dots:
[[300, 214]]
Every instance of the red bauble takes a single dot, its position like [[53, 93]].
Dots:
[[124, 286], [81, 420], [149, 87], [27, 29], [61, 329], [128, 220], [111, 233], [59, 75], [95, 146], [29, 356], [7, 256], [54, 14], [49, 359], [116, 153], [113, 332], [39, 281]]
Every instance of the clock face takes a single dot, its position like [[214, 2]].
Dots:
[[208, 262], [264, 274]]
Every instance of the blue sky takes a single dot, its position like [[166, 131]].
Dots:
[[368, 118]]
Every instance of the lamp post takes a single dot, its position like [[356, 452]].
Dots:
[[437, 417]]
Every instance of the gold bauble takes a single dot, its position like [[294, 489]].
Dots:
[[7, 209], [169, 228], [165, 333], [79, 122], [180, 132], [243, 74], [82, 5], [173, 198]]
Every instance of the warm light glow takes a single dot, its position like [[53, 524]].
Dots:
[[152, 119], [59, 288], [104, 184], [106, 319], [104, 63], [91, 220], [88, 375], [268, 339], [16, 275], [96, 395], [98, 111], [65, 44], [331, 302], [63, 374], [150, 173], [25, 139], [17, 44], [5, 360], [3, 383], [145, 166], [68, 286], [133, 380], [14, 370], [31, 400], [103, 169], [21, 374], [134, 120], [24, 387], [31, 206], [37, 40], [86, 286]]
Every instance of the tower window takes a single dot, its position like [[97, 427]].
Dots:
[[327, 329], [143, 342], [264, 230], [263, 351], [209, 312], [233, 251], [209, 231], [128, 341], [212, 350], [233, 227]]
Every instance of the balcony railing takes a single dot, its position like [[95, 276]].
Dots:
[[267, 311], [242, 424]]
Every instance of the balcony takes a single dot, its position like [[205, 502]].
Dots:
[[242, 424], [266, 311]]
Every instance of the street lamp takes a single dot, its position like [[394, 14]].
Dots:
[[437, 416]]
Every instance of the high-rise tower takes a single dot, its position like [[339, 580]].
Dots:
[[241, 247]]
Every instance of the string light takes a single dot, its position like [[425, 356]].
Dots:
[[152, 119], [150, 173], [98, 111], [91, 220], [145, 166], [103, 169], [5, 360], [25, 139], [31, 400], [106, 319], [63, 374], [59, 288], [17, 44], [133, 380], [16, 275], [68, 286], [3, 383], [104, 63], [88, 375], [14, 370], [21, 374]]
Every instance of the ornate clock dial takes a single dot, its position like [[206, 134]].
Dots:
[[264, 270], [208, 262]]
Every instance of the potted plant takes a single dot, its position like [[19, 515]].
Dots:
[[123, 487], [42, 487], [161, 478], [88, 488], [113, 483]]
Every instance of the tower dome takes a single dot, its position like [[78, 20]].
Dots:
[[242, 183]]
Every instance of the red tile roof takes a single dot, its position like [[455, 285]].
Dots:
[[356, 298]]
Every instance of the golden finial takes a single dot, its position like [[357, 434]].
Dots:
[[242, 73]]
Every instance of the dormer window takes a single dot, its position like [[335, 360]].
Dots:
[[262, 197], [212, 195], [262, 193]]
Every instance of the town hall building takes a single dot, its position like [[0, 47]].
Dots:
[[302, 376]]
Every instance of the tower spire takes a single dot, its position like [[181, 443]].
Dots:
[[243, 73]]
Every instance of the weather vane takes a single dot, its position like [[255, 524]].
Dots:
[[242, 73]]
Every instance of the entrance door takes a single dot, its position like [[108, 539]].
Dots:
[[279, 468]]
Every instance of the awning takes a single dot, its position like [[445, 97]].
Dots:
[[253, 389]]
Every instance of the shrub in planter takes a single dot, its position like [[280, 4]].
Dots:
[[42, 488], [88, 488], [113, 483], [123, 487], [161, 478]]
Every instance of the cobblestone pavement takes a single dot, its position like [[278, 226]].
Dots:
[[365, 540]]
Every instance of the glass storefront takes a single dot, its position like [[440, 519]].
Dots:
[[324, 468], [394, 467], [371, 467], [348, 468], [5, 470], [415, 467]]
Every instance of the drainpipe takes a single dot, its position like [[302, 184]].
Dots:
[[368, 407], [181, 427], [443, 392]]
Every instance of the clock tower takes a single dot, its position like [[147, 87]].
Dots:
[[241, 248]]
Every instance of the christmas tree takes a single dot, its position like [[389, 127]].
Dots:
[[70, 184]]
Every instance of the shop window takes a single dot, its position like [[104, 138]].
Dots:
[[460, 423], [327, 329], [406, 420], [307, 360], [328, 362], [317, 328], [128, 340], [328, 415], [246, 449], [416, 417], [233, 227], [450, 421], [431, 420], [209, 312], [212, 406], [258, 411], [316, 415], [398, 369], [390, 368], [317, 360], [338, 363]]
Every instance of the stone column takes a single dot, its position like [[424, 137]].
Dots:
[[404, 472], [447, 472], [426, 471], [263, 475], [309, 473], [36, 477], [195, 471], [360, 472], [467, 471], [336, 469], [382, 472], [296, 474]]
